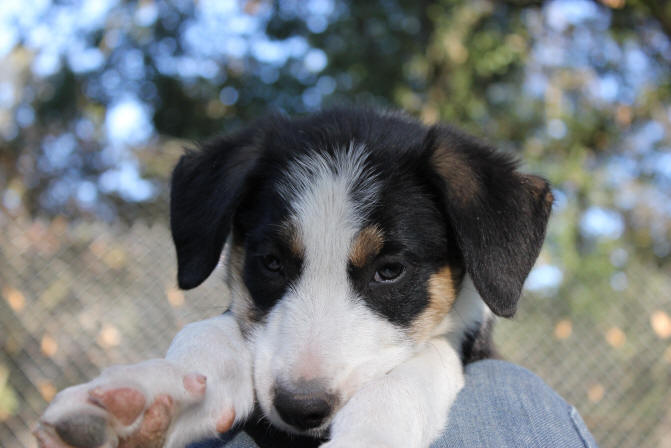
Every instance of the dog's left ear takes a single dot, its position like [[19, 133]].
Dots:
[[207, 187], [499, 215]]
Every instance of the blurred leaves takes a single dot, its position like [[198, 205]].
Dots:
[[97, 100], [580, 89], [8, 398], [14, 298], [661, 324]]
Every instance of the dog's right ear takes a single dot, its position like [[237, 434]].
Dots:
[[207, 186]]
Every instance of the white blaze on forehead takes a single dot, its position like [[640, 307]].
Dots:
[[321, 190], [321, 328], [319, 174]]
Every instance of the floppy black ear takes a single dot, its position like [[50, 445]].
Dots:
[[498, 214], [207, 186]]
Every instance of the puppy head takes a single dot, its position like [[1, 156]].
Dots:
[[351, 237]]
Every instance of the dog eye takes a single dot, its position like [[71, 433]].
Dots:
[[271, 263], [389, 272]]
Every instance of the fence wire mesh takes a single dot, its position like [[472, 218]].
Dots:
[[80, 296]]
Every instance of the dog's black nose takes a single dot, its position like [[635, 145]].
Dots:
[[304, 405]]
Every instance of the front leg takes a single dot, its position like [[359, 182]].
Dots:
[[216, 348], [201, 388], [408, 407]]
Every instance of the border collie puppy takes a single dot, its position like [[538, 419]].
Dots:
[[366, 255]]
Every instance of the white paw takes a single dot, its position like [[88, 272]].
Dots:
[[126, 406]]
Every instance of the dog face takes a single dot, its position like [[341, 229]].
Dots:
[[352, 236], [337, 284]]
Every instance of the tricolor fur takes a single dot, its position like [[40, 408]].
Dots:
[[366, 254]]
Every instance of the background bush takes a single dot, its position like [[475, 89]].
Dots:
[[97, 99]]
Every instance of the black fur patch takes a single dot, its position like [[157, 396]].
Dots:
[[498, 214], [415, 236], [446, 199], [262, 231], [266, 435], [206, 189], [477, 343]]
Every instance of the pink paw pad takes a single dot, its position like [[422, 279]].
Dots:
[[124, 403], [158, 417], [195, 383], [156, 421]]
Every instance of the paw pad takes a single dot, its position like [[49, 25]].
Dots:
[[81, 430], [124, 403]]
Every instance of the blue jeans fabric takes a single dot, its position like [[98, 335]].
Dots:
[[502, 405]]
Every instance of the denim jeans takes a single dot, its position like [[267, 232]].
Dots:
[[502, 405]]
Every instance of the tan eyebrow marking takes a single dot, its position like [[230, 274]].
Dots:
[[367, 244]]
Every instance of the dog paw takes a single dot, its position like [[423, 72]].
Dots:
[[126, 407]]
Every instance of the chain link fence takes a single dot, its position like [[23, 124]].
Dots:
[[79, 296]]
